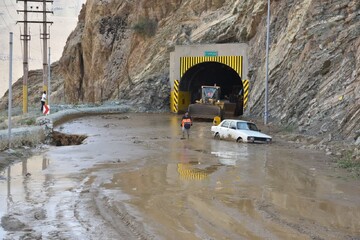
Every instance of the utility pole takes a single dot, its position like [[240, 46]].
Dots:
[[49, 79], [45, 36], [266, 113], [26, 38]]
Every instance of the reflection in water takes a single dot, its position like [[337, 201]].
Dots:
[[9, 197], [249, 191], [264, 187], [229, 153], [24, 167], [252, 187], [21, 175], [45, 162], [189, 171]]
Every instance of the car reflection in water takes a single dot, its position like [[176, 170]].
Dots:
[[229, 154], [192, 166]]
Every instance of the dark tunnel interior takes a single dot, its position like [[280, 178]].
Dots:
[[210, 73]]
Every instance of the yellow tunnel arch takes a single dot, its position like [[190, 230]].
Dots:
[[181, 98]]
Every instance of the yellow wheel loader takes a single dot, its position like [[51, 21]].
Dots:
[[210, 105]]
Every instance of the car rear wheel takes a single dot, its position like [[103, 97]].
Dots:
[[239, 140], [217, 136]]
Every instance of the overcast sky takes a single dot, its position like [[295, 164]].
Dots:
[[65, 18]]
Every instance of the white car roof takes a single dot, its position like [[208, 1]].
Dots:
[[236, 120]]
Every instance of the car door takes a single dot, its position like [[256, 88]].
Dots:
[[242, 130], [232, 130], [224, 131]]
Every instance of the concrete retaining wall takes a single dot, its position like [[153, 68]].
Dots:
[[33, 135], [27, 136]]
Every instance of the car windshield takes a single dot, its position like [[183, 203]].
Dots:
[[246, 126]]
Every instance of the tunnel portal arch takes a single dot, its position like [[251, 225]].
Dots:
[[209, 74], [193, 66]]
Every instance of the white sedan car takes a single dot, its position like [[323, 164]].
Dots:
[[239, 130]]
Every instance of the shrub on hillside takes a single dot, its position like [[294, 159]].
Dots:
[[145, 27]]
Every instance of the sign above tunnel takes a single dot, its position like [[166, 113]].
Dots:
[[211, 53]]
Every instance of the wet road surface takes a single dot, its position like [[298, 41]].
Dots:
[[134, 178]]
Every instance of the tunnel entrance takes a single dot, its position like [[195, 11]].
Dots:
[[223, 64], [210, 74]]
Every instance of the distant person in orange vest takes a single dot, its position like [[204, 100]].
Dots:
[[43, 100], [186, 123]]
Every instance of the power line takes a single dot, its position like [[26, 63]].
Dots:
[[6, 21], [6, 24], [7, 9], [12, 4]]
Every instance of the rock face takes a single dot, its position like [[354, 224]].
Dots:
[[314, 66], [120, 50]]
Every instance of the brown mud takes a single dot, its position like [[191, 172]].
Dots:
[[134, 178], [60, 139]]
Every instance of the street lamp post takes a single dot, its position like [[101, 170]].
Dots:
[[266, 113]]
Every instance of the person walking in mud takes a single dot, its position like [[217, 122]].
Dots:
[[43, 100], [186, 123]]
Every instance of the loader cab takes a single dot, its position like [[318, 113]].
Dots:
[[210, 94]]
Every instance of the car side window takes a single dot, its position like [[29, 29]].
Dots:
[[225, 124], [242, 126], [233, 125]]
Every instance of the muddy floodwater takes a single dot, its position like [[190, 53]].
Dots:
[[135, 178]]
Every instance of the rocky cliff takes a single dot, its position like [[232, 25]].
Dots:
[[120, 50]]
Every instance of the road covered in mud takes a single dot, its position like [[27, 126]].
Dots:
[[134, 178]]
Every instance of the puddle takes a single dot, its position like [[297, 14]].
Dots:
[[16, 183], [139, 171], [249, 183]]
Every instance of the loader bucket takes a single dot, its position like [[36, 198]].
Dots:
[[204, 111]]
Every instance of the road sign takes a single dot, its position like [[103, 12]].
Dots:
[[211, 53], [46, 109]]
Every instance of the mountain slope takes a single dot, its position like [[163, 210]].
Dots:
[[120, 50]]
